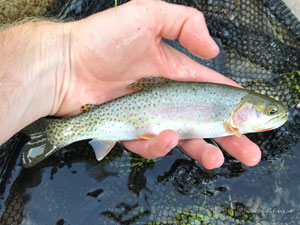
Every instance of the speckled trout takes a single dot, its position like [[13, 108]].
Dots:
[[193, 110]]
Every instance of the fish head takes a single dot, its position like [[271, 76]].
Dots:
[[258, 113]]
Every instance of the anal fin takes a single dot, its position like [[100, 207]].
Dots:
[[101, 147], [146, 136]]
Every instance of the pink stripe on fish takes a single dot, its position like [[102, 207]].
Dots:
[[188, 112]]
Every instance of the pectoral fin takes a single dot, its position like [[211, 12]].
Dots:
[[234, 130], [101, 148]]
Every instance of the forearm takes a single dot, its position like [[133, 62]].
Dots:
[[32, 64]]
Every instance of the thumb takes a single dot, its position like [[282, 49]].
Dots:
[[188, 26], [175, 65]]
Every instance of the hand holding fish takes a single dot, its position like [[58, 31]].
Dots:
[[93, 61], [112, 49]]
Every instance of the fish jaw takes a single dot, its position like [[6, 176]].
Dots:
[[280, 121]]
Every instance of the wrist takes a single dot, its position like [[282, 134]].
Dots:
[[33, 67], [51, 72]]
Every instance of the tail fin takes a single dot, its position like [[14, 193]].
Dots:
[[37, 148]]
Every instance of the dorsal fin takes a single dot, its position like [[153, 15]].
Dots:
[[147, 82]]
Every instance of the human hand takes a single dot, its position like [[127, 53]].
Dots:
[[109, 50]]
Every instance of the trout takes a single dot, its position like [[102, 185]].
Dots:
[[193, 110]]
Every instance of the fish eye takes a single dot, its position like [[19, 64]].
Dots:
[[272, 110]]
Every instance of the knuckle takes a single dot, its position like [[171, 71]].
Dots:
[[141, 3], [196, 13], [201, 16]]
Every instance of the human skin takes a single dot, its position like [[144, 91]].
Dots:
[[54, 68]]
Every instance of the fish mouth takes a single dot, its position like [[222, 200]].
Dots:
[[284, 117], [280, 120]]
